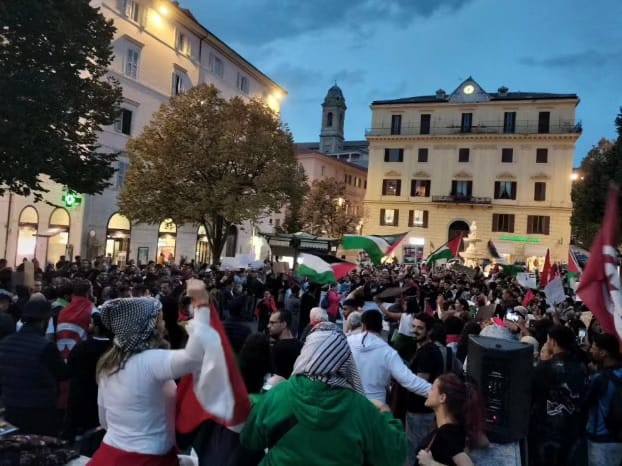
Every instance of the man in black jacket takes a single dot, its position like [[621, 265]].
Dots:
[[30, 369]]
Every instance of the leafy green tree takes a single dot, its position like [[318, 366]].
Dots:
[[326, 212], [206, 160], [601, 166], [54, 95]]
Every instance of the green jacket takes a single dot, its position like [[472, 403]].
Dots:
[[334, 426]]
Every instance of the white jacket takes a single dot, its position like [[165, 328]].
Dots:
[[377, 362]]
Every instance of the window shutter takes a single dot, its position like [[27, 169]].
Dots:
[[401, 155], [427, 188], [546, 222], [384, 187], [513, 193], [411, 218], [425, 219], [396, 218], [495, 222], [469, 188], [126, 121], [386, 155], [454, 187], [398, 189], [511, 223], [382, 216], [497, 189]]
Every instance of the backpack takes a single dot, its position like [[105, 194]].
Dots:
[[613, 420]]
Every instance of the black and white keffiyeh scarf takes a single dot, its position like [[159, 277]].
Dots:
[[326, 357], [133, 322]]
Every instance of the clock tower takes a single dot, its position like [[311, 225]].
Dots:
[[333, 116]]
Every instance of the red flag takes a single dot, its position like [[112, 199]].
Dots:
[[231, 402], [454, 244], [599, 288], [547, 271], [573, 263], [529, 297]]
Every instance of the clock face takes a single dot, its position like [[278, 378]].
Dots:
[[468, 89]]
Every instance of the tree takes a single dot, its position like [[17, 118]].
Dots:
[[601, 166], [292, 223], [326, 212], [206, 160], [54, 56]]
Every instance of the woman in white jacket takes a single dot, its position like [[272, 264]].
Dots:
[[377, 362]]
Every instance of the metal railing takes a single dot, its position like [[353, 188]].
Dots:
[[482, 127], [460, 199]]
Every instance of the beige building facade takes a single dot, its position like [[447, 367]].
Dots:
[[160, 50], [497, 161]]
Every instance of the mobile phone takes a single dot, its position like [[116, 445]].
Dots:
[[582, 334], [512, 316]]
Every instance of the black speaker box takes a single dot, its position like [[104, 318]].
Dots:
[[503, 371]]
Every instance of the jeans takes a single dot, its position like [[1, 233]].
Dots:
[[418, 425], [604, 454]]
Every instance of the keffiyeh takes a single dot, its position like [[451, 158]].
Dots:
[[132, 321], [326, 357]]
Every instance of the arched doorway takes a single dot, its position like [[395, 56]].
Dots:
[[456, 228], [59, 231], [167, 239], [118, 238], [202, 252], [27, 234], [232, 241]]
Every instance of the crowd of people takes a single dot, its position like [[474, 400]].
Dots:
[[370, 370]]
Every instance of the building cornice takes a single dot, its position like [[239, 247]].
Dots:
[[573, 137]]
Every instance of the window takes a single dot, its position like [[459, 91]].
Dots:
[[418, 218], [350, 180], [365, 185], [544, 120], [505, 189], [422, 156], [132, 10], [389, 217], [243, 83], [538, 224], [461, 189], [329, 119], [391, 187], [503, 222], [182, 44], [345, 177], [323, 169], [396, 124], [394, 155], [123, 123], [131, 62], [216, 65], [463, 155], [420, 188], [542, 155], [179, 82], [509, 122], [467, 123], [507, 155], [121, 173], [539, 192], [277, 223], [424, 127]]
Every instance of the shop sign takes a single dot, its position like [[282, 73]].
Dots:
[[520, 239]]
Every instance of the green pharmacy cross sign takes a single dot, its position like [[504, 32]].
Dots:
[[520, 239], [71, 199]]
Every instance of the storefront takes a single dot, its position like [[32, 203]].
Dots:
[[413, 251], [27, 234], [118, 235], [167, 241], [58, 238]]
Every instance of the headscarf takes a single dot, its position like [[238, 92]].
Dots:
[[326, 357], [132, 321]]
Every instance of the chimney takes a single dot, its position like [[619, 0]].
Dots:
[[503, 91], [441, 94]]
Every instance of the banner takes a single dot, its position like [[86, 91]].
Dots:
[[527, 280], [554, 291]]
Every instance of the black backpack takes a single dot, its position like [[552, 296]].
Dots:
[[613, 420]]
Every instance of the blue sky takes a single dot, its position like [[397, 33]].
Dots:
[[381, 49]]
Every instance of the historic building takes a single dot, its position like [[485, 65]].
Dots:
[[160, 50], [332, 141], [502, 161]]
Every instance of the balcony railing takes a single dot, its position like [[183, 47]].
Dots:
[[521, 127], [459, 199]]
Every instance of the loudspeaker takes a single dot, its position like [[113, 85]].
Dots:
[[503, 370]]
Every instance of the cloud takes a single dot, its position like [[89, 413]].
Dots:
[[294, 77], [585, 59], [351, 77], [255, 22]]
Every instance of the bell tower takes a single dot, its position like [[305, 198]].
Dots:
[[333, 116]]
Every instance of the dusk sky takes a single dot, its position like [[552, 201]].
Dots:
[[382, 49]]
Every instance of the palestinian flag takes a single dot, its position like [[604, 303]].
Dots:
[[574, 270], [447, 251], [324, 269], [375, 246], [548, 272]]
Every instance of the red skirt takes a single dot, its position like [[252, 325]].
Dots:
[[110, 456]]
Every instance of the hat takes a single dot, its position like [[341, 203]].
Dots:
[[37, 309]]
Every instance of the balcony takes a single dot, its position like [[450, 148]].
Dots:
[[460, 199], [482, 127]]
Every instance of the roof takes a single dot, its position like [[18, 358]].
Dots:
[[223, 45], [347, 145], [494, 96], [328, 157]]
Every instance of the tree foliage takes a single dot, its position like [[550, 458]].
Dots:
[[325, 211], [601, 166], [54, 95], [206, 160]]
